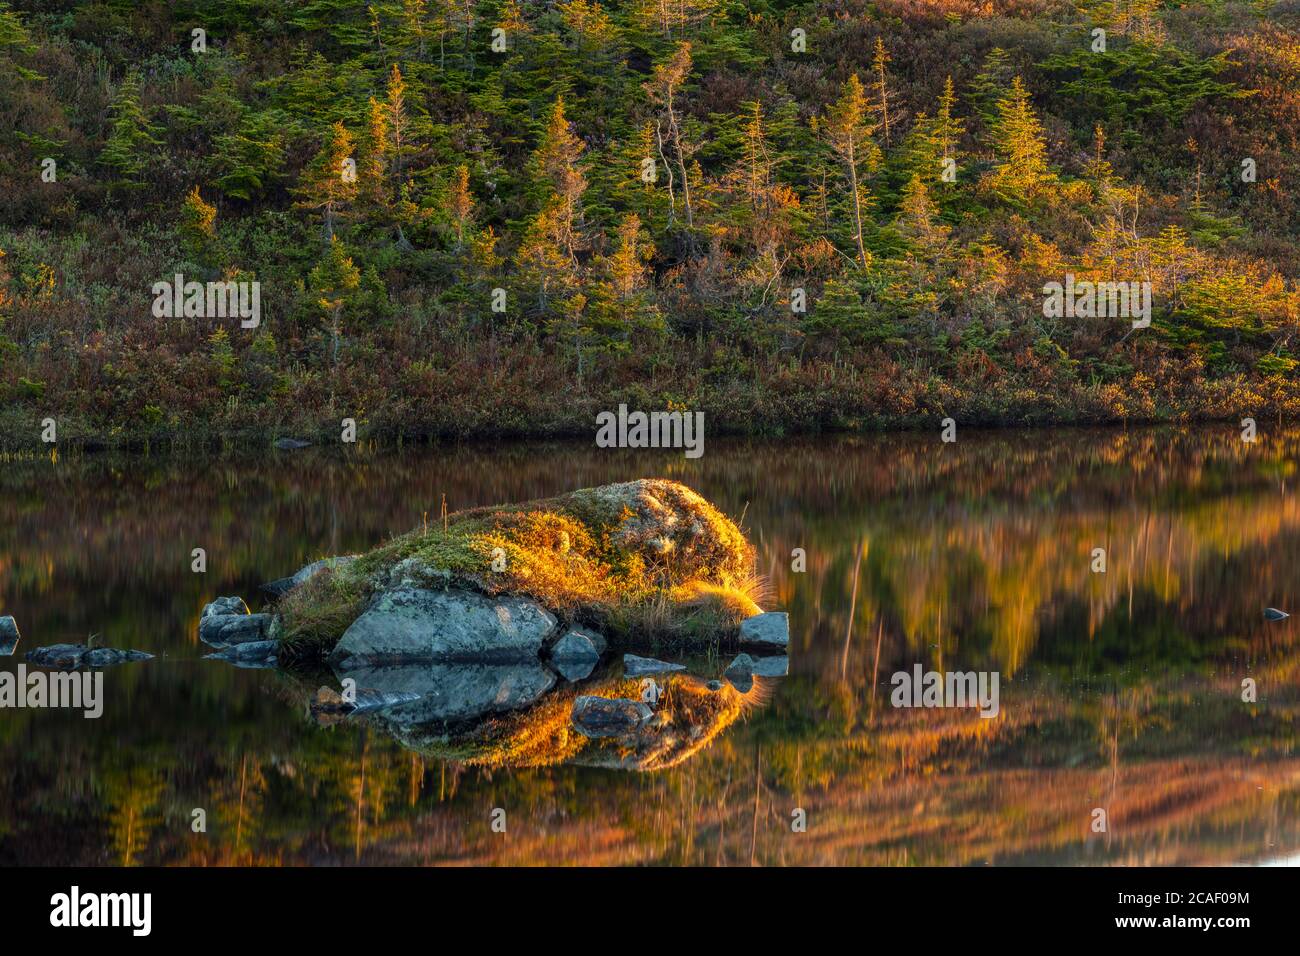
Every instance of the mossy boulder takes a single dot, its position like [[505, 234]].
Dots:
[[646, 560]]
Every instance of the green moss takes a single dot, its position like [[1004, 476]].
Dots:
[[648, 558]]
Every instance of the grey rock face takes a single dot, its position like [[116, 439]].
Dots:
[[73, 656], [411, 625], [224, 605], [284, 585], [769, 629], [608, 717], [576, 654], [449, 692], [634, 666], [252, 654], [9, 636], [228, 630]]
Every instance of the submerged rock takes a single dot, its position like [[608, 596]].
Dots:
[[9, 636], [576, 654], [228, 630], [415, 624], [304, 574], [770, 629], [449, 691], [634, 666], [740, 673], [73, 656], [251, 654], [608, 716]]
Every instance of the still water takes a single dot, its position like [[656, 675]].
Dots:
[[1120, 691]]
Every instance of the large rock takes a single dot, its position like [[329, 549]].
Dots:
[[410, 625], [449, 692], [608, 716], [228, 630], [284, 585], [72, 656], [770, 629], [634, 666], [9, 636]]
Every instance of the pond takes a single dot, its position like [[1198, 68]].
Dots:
[[1147, 712]]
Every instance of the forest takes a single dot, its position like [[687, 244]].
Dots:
[[490, 218]]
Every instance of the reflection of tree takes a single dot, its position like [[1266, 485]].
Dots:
[[132, 796]]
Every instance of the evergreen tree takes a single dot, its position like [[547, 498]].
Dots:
[[849, 131], [330, 183], [132, 137], [1019, 147]]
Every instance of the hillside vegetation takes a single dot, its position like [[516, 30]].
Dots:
[[473, 218]]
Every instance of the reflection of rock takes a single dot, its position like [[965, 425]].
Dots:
[[8, 636], [452, 691], [742, 671], [284, 585], [634, 666], [576, 654], [608, 716], [413, 624], [770, 629], [329, 706], [776, 666], [72, 656], [249, 654]]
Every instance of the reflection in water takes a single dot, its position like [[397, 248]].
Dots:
[[1120, 690]]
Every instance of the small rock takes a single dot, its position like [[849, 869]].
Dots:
[[224, 605], [284, 585], [740, 673], [253, 654], [634, 666], [291, 444], [111, 656], [71, 656], [576, 654], [1273, 614], [9, 636], [225, 630], [770, 629], [608, 716]]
